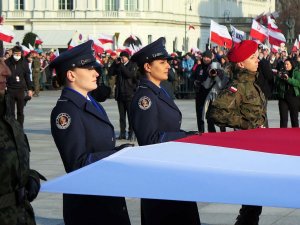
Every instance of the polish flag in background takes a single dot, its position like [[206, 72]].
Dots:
[[25, 50], [6, 35], [220, 35], [295, 47], [106, 38], [251, 167], [258, 31], [272, 25], [38, 41], [276, 38]]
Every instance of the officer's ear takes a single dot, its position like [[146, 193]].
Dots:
[[70, 75], [147, 67]]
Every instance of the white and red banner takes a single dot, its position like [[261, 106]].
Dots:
[[38, 41], [251, 167], [258, 31], [276, 38], [106, 38], [220, 35], [295, 47], [237, 35], [272, 25], [275, 48], [25, 50], [6, 35]]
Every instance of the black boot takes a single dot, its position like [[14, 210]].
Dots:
[[249, 215]]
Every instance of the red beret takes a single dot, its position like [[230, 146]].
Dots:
[[242, 51]]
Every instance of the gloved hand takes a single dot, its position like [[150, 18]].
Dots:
[[32, 188], [189, 133], [126, 145]]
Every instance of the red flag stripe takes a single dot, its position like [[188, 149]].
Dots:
[[270, 140]]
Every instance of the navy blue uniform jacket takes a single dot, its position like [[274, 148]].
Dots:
[[86, 136], [158, 123]]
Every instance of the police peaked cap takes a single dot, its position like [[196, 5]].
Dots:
[[81, 56], [155, 50]]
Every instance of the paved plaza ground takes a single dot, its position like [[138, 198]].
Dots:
[[45, 159]]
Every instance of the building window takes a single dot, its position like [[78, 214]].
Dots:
[[111, 5], [19, 4], [65, 4], [131, 5], [18, 27]]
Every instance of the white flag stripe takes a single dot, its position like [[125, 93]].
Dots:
[[190, 172]]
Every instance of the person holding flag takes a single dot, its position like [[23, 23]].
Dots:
[[156, 119], [242, 106]]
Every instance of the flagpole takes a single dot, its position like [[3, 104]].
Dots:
[[209, 36]]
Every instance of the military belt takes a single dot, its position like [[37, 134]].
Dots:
[[13, 198]]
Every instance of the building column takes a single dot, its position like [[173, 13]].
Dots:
[[100, 5], [140, 5], [121, 5]]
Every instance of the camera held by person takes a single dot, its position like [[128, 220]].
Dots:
[[215, 69], [283, 74]]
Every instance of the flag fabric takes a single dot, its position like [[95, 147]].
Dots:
[[258, 31], [237, 35], [272, 25], [25, 50], [6, 35], [251, 167], [38, 41], [105, 38], [295, 47], [191, 27], [220, 35], [275, 48], [30, 47], [276, 38]]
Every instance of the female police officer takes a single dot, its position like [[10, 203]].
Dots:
[[83, 134], [155, 119]]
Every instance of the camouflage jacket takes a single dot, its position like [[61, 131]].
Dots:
[[14, 169], [242, 105]]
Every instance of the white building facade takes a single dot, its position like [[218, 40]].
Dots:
[[55, 21]]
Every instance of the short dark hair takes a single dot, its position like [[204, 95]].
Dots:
[[17, 49]]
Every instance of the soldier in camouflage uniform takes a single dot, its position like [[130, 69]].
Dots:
[[19, 184], [242, 106]]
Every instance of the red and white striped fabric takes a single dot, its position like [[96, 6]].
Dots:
[[276, 38], [6, 35], [295, 47], [252, 167], [275, 48], [258, 31], [220, 35], [38, 41], [106, 38], [25, 50], [272, 25]]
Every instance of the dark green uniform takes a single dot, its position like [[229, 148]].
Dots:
[[15, 209], [36, 74], [242, 105]]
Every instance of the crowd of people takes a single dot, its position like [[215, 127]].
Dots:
[[231, 89]]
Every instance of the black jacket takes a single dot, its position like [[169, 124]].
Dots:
[[20, 74], [126, 80], [265, 79]]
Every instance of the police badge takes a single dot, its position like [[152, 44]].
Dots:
[[63, 121]]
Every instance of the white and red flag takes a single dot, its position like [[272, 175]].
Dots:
[[38, 41], [6, 35], [272, 25], [251, 167], [25, 50], [191, 27], [106, 38], [275, 48], [258, 31], [295, 47], [237, 35], [276, 38], [220, 35]]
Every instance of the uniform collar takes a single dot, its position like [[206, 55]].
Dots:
[[74, 96], [149, 84]]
